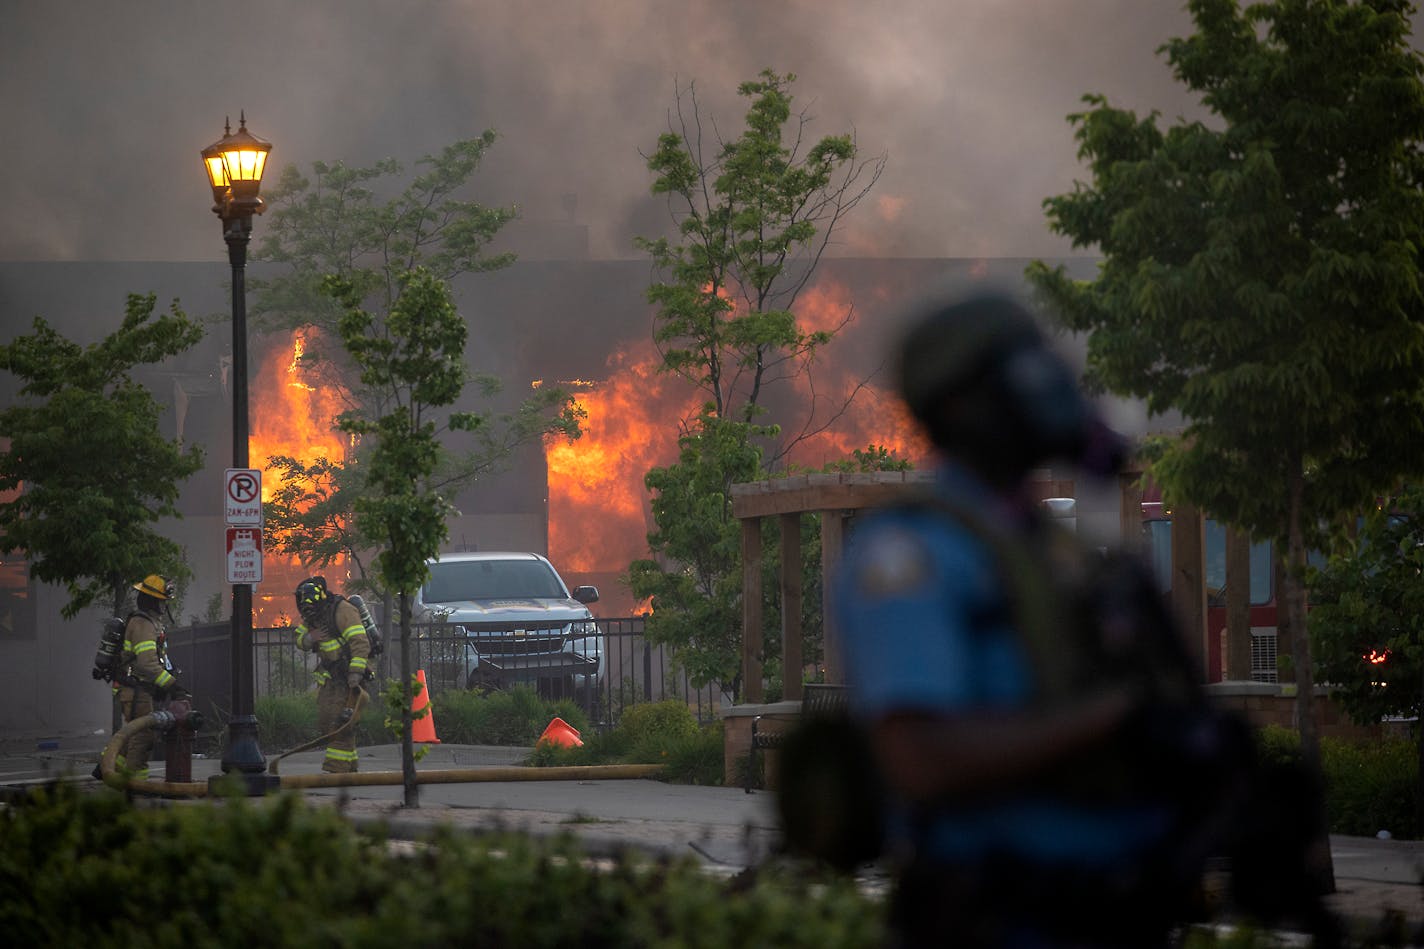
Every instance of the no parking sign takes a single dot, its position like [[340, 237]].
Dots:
[[242, 496]]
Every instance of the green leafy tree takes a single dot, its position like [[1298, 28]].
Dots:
[[694, 574], [871, 458], [1260, 273], [85, 446], [1367, 619], [310, 516], [753, 220], [337, 222], [752, 223], [416, 357]]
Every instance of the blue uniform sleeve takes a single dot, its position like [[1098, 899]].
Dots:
[[920, 615]]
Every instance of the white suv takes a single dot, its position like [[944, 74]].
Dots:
[[519, 621]]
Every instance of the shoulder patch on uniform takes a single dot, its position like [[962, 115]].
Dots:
[[895, 561]]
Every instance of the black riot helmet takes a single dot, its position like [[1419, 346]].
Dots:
[[979, 374], [312, 598]]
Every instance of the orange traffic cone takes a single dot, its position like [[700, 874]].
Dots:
[[422, 729], [562, 733]]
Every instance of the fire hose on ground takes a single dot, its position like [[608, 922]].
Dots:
[[355, 703], [180, 715]]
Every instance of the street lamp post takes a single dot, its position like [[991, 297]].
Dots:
[[234, 165]]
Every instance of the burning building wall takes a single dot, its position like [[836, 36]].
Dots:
[[584, 503]]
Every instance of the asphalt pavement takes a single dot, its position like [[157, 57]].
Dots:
[[725, 828], [722, 826]]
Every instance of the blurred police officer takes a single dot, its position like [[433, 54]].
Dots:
[[995, 711]]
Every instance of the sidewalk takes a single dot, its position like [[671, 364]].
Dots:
[[725, 828], [1376, 878]]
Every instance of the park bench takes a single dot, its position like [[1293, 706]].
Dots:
[[818, 698]]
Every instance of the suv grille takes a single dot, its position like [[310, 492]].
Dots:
[[497, 639]]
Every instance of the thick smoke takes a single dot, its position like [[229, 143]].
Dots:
[[106, 106]]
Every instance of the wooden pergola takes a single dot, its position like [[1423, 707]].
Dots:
[[837, 498]]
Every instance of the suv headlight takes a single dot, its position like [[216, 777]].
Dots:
[[581, 628]]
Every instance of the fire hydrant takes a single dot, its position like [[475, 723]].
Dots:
[[180, 722]]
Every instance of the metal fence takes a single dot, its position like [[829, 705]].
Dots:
[[631, 671]]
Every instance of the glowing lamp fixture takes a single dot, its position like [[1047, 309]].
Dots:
[[234, 164]]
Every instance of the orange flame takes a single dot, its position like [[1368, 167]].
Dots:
[[291, 416], [598, 504], [875, 416]]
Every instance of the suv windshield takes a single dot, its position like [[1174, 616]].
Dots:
[[491, 580]]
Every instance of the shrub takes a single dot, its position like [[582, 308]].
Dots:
[[516, 717], [1369, 785], [658, 724], [277, 872], [285, 721], [596, 749], [664, 733], [698, 759], [1277, 745]]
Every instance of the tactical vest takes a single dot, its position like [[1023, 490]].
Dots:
[[1088, 620], [1086, 617]]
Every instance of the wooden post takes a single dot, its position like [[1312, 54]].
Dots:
[[1130, 510], [832, 540], [1238, 605], [791, 606], [1188, 586], [751, 611]]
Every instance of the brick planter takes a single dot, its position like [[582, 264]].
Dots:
[[1270, 703]]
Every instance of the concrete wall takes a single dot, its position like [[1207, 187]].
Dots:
[[1269, 703], [46, 689]]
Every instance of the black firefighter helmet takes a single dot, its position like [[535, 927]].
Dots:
[[312, 598]]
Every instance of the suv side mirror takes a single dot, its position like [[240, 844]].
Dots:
[[586, 594]]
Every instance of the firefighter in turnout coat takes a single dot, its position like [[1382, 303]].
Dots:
[[331, 627], [145, 675]]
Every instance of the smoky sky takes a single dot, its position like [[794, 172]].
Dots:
[[105, 106]]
